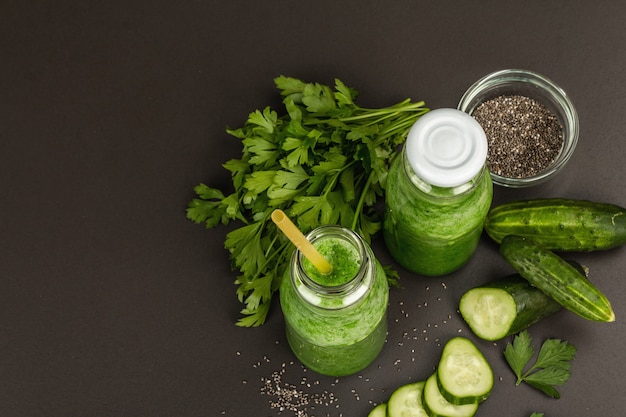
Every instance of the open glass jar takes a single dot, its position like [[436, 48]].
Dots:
[[519, 82]]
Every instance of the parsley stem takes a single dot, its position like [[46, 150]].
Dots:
[[387, 112], [405, 104], [396, 127], [270, 247], [359, 206]]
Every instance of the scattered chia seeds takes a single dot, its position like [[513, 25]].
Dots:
[[524, 137], [290, 398]]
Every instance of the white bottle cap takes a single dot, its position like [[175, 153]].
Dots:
[[446, 147]]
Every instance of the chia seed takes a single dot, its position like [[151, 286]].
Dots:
[[524, 137]]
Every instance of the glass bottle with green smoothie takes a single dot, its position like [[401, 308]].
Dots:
[[438, 194], [336, 323]]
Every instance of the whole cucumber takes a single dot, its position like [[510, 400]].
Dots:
[[560, 224], [556, 278]]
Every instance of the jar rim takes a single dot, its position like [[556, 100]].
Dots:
[[334, 297], [347, 235]]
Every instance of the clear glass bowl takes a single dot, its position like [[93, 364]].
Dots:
[[527, 83]]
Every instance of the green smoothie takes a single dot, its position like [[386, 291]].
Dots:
[[431, 230], [342, 255], [336, 324]]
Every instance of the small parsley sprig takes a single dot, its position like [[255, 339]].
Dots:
[[551, 368], [325, 161]]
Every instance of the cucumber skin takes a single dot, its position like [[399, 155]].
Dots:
[[556, 278], [560, 224], [532, 304]]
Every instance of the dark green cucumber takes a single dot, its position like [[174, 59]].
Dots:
[[556, 278], [560, 224], [506, 306]]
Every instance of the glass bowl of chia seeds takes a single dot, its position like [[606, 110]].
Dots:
[[530, 123]]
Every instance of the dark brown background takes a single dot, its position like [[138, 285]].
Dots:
[[113, 304]]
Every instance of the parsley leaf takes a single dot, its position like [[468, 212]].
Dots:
[[519, 354], [551, 368], [324, 161], [555, 353], [265, 120]]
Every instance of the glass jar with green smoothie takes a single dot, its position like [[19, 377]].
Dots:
[[336, 323], [438, 194]]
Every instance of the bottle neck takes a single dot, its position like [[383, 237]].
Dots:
[[435, 191], [352, 275]]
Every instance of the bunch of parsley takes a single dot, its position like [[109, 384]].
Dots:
[[324, 161]]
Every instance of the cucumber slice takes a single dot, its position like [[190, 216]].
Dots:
[[507, 306], [464, 376], [436, 405], [489, 312], [406, 401], [379, 411]]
